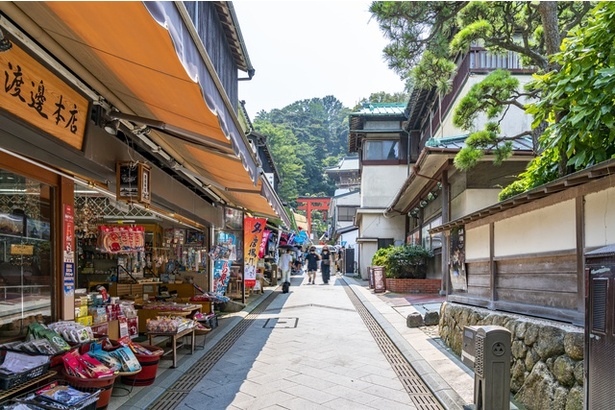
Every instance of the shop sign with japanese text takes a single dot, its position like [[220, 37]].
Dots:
[[36, 95], [133, 182]]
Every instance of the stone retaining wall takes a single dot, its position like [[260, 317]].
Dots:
[[547, 356]]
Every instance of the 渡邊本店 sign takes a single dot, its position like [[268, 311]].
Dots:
[[38, 96]]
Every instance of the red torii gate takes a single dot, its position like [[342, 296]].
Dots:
[[309, 204]]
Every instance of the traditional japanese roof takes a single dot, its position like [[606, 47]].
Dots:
[[458, 142], [437, 156], [344, 165], [371, 111]]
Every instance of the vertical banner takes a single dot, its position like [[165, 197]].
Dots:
[[262, 251], [253, 229], [221, 276], [68, 252]]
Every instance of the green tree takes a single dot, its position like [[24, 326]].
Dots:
[[321, 130], [577, 103], [283, 145], [426, 36], [382, 97]]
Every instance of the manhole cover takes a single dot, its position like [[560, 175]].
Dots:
[[281, 323]]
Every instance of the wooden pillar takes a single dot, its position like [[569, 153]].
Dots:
[[492, 266], [446, 246], [580, 244]]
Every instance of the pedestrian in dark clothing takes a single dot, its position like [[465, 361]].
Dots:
[[325, 265], [312, 259]]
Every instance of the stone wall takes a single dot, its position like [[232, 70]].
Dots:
[[547, 356]]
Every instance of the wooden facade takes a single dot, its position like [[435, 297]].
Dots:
[[526, 255], [212, 22]]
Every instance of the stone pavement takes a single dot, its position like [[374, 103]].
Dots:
[[310, 349]]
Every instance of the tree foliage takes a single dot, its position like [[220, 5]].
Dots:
[[382, 97], [305, 137], [426, 35], [577, 104]]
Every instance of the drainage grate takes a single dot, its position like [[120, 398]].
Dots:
[[419, 393], [281, 323], [175, 394]]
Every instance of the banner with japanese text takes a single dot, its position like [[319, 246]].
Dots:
[[253, 229], [263, 248], [221, 276]]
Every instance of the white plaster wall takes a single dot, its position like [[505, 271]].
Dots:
[[380, 184], [472, 200], [477, 243], [377, 226], [547, 229], [515, 121], [366, 252], [600, 218], [353, 199]]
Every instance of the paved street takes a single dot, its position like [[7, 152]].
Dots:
[[320, 346]]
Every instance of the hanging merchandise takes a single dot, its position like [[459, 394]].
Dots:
[[301, 237], [252, 236], [121, 239], [283, 240], [226, 247]]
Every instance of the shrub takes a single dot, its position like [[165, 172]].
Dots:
[[381, 256], [403, 262]]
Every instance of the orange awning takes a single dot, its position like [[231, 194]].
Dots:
[[149, 66]]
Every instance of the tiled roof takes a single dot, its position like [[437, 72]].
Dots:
[[345, 164], [381, 109], [458, 142]]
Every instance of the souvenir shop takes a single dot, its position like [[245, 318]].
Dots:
[[101, 243]]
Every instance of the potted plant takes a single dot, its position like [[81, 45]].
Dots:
[[405, 267]]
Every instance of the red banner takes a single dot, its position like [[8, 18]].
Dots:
[[253, 229], [263, 248]]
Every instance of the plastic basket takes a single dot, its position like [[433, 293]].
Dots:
[[32, 400], [104, 384], [8, 381]]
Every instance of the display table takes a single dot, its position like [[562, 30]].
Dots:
[[162, 309], [174, 346]]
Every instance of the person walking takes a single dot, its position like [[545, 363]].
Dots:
[[312, 259], [325, 265], [285, 265]]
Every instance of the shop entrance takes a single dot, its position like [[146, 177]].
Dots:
[[135, 254]]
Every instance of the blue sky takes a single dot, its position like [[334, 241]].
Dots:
[[307, 49]]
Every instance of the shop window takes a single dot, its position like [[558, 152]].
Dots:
[[26, 257]]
